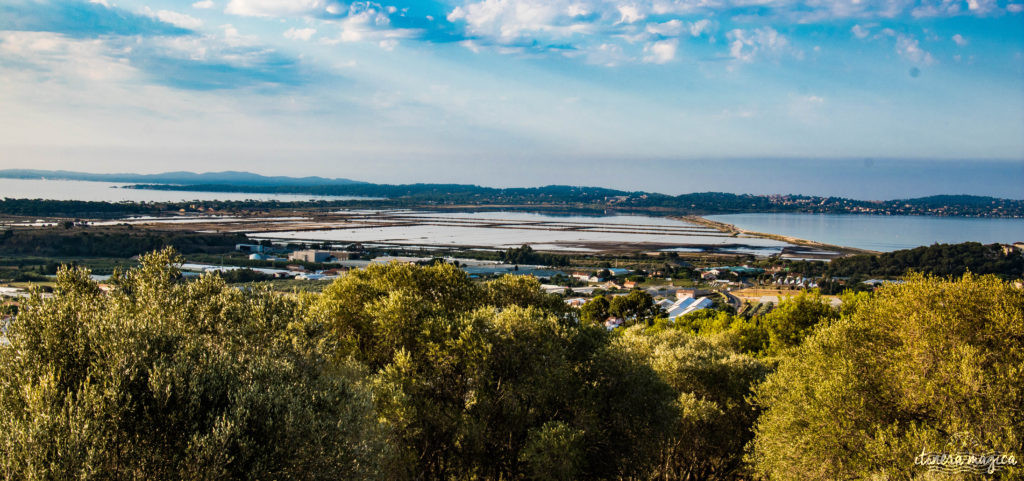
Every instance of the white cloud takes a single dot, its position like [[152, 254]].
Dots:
[[745, 45], [660, 52], [507, 21], [629, 13], [300, 33], [66, 58], [699, 27], [369, 23], [981, 6], [577, 10], [938, 8], [587, 26], [1015, 7], [670, 28], [959, 40], [471, 46], [176, 19], [203, 4], [275, 8], [910, 49]]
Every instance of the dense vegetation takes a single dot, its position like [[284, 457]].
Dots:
[[110, 242], [695, 203], [526, 255], [554, 199], [415, 372], [907, 371], [75, 208], [166, 380], [938, 259]]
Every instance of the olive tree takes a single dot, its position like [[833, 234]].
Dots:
[[493, 381], [161, 379], [913, 367], [713, 417]]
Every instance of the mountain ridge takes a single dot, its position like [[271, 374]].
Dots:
[[227, 177]]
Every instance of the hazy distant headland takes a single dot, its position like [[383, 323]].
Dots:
[[226, 178], [552, 197]]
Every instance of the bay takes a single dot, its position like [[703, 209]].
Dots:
[[880, 233]]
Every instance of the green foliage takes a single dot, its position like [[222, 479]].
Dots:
[[111, 242], [164, 380], [937, 259], [792, 320], [576, 199], [553, 452], [713, 419], [416, 372], [781, 328], [476, 380], [914, 365], [596, 310], [522, 291], [239, 276], [526, 255], [72, 208], [637, 307]]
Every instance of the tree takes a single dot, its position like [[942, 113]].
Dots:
[[913, 366], [635, 307], [596, 310], [553, 452], [165, 380], [795, 317], [711, 383], [474, 382], [522, 291]]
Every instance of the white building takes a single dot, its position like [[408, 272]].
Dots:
[[687, 305]]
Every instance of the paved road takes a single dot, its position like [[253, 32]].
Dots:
[[734, 301]]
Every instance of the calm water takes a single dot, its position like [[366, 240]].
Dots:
[[880, 233], [108, 192]]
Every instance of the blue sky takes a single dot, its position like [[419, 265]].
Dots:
[[641, 94]]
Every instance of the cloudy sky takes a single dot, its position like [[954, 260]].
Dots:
[[655, 94]]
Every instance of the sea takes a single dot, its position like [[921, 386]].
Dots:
[[879, 232]]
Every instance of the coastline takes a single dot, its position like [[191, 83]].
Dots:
[[735, 231]]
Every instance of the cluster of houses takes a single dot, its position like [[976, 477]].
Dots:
[[597, 277], [729, 273], [795, 281], [673, 310], [686, 302]]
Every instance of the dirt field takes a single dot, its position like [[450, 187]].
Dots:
[[754, 295]]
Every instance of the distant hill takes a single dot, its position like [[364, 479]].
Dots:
[[573, 197], [181, 178], [551, 196]]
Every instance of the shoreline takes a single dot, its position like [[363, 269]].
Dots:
[[735, 231]]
